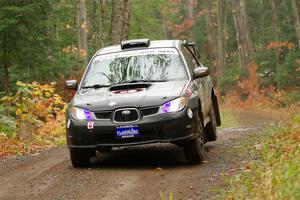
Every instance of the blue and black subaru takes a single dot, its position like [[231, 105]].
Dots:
[[141, 92]]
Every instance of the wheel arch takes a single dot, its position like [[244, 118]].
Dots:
[[215, 103]]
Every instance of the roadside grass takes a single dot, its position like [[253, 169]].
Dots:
[[228, 118], [274, 170]]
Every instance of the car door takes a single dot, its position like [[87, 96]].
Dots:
[[200, 83]]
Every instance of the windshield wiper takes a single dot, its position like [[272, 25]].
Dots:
[[96, 86], [141, 80]]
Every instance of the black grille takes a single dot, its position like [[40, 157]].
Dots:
[[126, 115], [103, 115], [149, 111]]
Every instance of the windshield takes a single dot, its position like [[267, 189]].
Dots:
[[159, 64]]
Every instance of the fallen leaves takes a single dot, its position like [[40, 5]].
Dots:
[[258, 147], [280, 44], [12, 147]]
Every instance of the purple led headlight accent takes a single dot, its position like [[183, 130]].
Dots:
[[87, 115], [166, 107]]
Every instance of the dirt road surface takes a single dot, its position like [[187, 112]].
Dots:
[[141, 172]]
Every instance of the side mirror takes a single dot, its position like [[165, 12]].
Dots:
[[195, 49], [200, 72], [71, 84]]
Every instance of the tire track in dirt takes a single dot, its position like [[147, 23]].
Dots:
[[139, 172]]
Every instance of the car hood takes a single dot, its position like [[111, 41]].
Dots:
[[155, 94]]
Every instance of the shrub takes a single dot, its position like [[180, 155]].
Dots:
[[38, 110]]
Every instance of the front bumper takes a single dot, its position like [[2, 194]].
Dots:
[[170, 127]]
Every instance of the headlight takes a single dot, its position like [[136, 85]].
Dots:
[[174, 105], [80, 114]]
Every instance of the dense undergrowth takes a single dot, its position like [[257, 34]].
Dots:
[[31, 119], [275, 171]]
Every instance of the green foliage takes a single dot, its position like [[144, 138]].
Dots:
[[229, 79], [38, 39], [145, 22], [33, 34], [287, 74], [23, 30], [8, 126]]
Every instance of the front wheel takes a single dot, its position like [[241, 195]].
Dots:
[[80, 157], [194, 149]]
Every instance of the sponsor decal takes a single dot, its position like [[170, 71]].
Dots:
[[127, 132], [90, 125], [154, 51]]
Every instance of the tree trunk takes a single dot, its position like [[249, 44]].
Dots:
[[5, 79], [94, 15], [116, 21], [276, 33], [297, 20], [120, 20], [238, 38], [220, 57], [93, 23], [210, 35], [167, 33], [191, 11], [126, 19], [82, 26], [225, 32], [245, 27], [101, 24], [5, 66], [245, 46]]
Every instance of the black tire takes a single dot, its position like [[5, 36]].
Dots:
[[80, 157], [211, 127], [194, 149]]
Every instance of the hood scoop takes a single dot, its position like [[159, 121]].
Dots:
[[129, 88]]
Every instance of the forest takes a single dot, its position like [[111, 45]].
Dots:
[[50, 41], [252, 48]]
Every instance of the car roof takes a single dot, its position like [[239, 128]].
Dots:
[[153, 44]]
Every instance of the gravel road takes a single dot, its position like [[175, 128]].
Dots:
[[140, 172]]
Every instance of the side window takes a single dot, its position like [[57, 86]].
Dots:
[[191, 61]]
